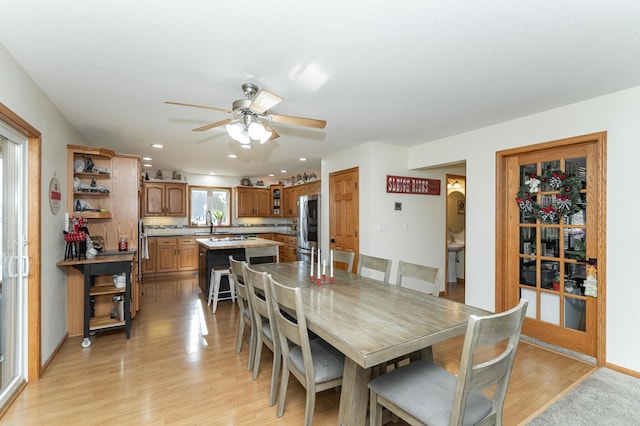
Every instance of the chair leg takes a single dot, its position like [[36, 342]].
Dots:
[[252, 348], [375, 410], [240, 335], [257, 356], [284, 382], [211, 281], [310, 405], [275, 372], [216, 291], [232, 288]]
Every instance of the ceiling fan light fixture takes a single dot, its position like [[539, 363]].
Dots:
[[258, 132], [238, 133]]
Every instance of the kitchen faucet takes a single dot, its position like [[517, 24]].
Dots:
[[209, 221]]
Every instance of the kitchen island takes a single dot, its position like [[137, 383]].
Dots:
[[216, 252]]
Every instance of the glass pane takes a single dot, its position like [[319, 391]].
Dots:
[[198, 207], [580, 217], [548, 166], [575, 274], [575, 246], [210, 207], [526, 171], [549, 273], [549, 242], [548, 213], [528, 272], [530, 295], [550, 308], [574, 313], [577, 167], [528, 240]]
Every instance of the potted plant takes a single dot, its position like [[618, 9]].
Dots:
[[218, 216], [556, 282]]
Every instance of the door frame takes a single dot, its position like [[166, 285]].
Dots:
[[504, 198], [34, 141]]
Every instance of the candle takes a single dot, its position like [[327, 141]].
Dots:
[[319, 256], [324, 268], [66, 222], [331, 266], [311, 273]]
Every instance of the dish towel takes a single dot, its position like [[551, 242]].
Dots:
[[144, 247]]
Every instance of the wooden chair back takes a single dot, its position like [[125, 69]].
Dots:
[[484, 331], [344, 259], [375, 264], [428, 277]]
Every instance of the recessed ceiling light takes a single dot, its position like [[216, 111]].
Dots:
[[271, 175], [302, 159], [147, 158], [212, 173], [157, 145], [245, 146], [147, 165], [232, 156], [283, 171]]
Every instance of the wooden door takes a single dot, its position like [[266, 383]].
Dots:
[[549, 232], [167, 258], [153, 199], [291, 201], [263, 202], [245, 202], [344, 211], [187, 254]]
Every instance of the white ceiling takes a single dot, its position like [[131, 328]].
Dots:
[[402, 73]]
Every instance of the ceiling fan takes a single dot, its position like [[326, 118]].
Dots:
[[252, 118]]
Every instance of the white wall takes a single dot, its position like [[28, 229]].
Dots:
[[414, 234], [615, 113], [22, 96]]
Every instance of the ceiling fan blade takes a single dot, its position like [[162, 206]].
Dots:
[[264, 101], [274, 134], [297, 121], [198, 106], [212, 125]]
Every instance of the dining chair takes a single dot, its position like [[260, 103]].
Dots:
[[427, 277], [265, 324], [374, 264], [346, 258], [423, 393], [255, 252], [246, 311], [314, 363]]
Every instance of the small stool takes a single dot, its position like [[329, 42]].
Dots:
[[214, 285]]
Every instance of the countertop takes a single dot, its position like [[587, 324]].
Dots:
[[115, 257], [221, 244], [191, 232]]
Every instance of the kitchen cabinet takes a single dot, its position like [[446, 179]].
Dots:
[[165, 199], [149, 265], [171, 255], [277, 198], [292, 193], [252, 202], [288, 249]]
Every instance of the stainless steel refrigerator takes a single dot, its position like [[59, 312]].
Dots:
[[308, 225]]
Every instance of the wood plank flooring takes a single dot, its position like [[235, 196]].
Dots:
[[180, 368]]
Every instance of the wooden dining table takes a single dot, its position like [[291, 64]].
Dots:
[[370, 322]]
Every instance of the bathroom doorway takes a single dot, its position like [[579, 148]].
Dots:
[[455, 238]]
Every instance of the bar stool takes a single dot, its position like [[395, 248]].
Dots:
[[217, 272]]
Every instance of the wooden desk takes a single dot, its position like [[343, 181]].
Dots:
[[103, 265], [371, 323]]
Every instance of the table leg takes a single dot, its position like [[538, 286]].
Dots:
[[354, 396], [86, 342]]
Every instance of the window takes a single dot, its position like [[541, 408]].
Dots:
[[216, 200]]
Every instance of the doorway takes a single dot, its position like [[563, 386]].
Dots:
[[550, 230], [456, 226]]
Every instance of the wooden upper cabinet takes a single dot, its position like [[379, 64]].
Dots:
[[292, 193], [252, 202], [165, 199]]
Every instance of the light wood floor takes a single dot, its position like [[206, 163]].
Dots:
[[180, 368]]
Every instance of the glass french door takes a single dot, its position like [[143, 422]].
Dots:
[[553, 241], [13, 214]]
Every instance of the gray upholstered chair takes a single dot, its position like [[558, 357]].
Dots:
[[255, 252], [265, 324], [346, 258], [423, 393], [427, 276], [314, 363], [246, 313], [375, 264]]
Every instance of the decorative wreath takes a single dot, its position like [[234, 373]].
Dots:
[[564, 204]]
